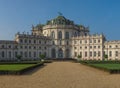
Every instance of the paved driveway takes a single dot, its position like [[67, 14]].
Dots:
[[62, 75]]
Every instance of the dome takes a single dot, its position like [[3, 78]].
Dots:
[[60, 20]]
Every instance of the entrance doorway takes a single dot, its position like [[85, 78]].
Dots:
[[60, 53]]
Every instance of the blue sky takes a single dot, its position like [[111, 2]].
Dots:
[[102, 16]]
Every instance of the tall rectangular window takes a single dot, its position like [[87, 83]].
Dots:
[[81, 53], [116, 53], [29, 54], [85, 54], [94, 53], [75, 54], [110, 53], [90, 53], [98, 53], [34, 54]]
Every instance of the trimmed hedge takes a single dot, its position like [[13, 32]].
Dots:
[[19, 72]]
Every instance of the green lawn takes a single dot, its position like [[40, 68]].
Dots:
[[14, 67], [108, 66]]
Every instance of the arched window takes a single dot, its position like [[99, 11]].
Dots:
[[59, 35], [53, 34], [67, 35]]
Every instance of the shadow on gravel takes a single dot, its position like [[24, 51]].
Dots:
[[32, 71]]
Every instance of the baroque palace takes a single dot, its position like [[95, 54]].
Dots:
[[59, 38]]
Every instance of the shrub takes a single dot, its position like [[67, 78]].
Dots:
[[42, 56], [19, 57], [79, 57]]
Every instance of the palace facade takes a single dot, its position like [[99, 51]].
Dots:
[[59, 38]]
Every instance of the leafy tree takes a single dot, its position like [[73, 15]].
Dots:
[[19, 57], [79, 57], [42, 56], [105, 57]]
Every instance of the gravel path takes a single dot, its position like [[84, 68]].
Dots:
[[62, 75]]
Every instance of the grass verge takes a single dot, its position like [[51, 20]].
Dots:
[[109, 66]]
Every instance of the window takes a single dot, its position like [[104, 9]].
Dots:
[[110, 46], [94, 41], [45, 42], [80, 41], [90, 40], [90, 53], [110, 53], [45, 54], [53, 34], [85, 41], [21, 47], [3, 46], [98, 53], [95, 47], [25, 47], [3, 54], [94, 54], [104, 53], [85, 54], [21, 41], [34, 47], [75, 42], [29, 47], [98, 40], [29, 54], [80, 47], [81, 53], [29, 41], [34, 41], [25, 40], [75, 48], [67, 35], [16, 47], [90, 47], [39, 42], [116, 46], [67, 42], [85, 47], [59, 35], [98, 46], [75, 34], [39, 47], [53, 42], [21, 53], [25, 54], [60, 42], [39, 53], [116, 53], [9, 54], [45, 48], [34, 54], [9, 46], [75, 54], [16, 53]]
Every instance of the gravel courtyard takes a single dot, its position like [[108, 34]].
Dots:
[[62, 75]]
